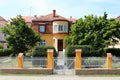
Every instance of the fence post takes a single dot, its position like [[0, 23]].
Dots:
[[78, 60], [20, 60], [109, 61], [50, 58]]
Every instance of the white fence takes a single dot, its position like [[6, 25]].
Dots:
[[8, 62], [93, 62], [115, 62], [35, 62], [40, 62]]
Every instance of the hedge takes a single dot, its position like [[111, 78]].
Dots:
[[87, 51], [114, 51], [5, 52], [1, 46], [41, 51]]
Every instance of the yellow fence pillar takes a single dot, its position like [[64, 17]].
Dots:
[[50, 63], [109, 61], [78, 61], [20, 60]]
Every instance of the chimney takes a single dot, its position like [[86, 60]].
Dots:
[[54, 13], [35, 16]]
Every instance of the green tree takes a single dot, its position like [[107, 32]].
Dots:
[[20, 36], [99, 32]]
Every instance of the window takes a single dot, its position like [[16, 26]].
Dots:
[[65, 28], [42, 28], [60, 28], [55, 28], [42, 43]]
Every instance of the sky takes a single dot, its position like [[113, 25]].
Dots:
[[75, 8]]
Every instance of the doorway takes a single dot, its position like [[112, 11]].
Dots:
[[60, 44]]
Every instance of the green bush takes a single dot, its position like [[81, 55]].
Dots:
[[114, 51], [41, 51], [5, 52], [87, 51], [1, 46]]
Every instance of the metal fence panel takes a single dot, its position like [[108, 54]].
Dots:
[[93, 62], [8, 62], [115, 62], [35, 62]]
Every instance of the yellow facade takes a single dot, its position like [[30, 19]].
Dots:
[[52, 39]]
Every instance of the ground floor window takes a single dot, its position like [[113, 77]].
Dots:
[[42, 43]]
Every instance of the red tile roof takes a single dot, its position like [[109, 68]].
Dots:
[[73, 20], [29, 18], [118, 18], [51, 17], [2, 19]]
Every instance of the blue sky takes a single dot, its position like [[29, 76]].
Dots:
[[66, 8]]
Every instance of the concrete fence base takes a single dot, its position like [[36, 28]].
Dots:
[[96, 71], [27, 71]]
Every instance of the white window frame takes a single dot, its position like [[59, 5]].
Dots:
[[65, 28], [60, 28], [42, 43], [42, 28], [55, 28]]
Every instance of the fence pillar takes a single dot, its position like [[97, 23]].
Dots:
[[20, 60], [109, 61], [50, 63], [78, 60]]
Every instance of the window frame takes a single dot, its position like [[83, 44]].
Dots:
[[41, 28], [42, 43], [60, 28]]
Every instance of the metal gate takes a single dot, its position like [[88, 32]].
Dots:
[[63, 65]]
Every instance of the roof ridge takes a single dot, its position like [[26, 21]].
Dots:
[[2, 19]]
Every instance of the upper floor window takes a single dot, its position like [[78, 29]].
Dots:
[[60, 28], [65, 28], [42, 28]]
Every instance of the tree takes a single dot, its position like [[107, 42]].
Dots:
[[99, 32], [20, 36]]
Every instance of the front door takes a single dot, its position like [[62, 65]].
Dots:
[[60, 44]]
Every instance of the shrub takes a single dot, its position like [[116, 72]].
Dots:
[[87, 50], [41, 51], [1, 46], [5, 52], [114, 51]]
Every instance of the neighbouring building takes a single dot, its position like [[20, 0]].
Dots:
[[118, 44], [3, 22], [28, 19], [53, 28]]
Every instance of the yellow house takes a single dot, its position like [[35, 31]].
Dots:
[[53, 28]]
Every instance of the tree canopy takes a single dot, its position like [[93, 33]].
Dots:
[[97, 31], [20, 37]]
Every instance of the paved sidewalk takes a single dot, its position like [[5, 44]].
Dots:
[[55, 77]]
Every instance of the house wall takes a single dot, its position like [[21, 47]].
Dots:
[[48, 38], [65, 23], [35, 27], [56, 37]]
